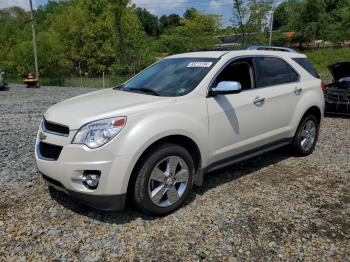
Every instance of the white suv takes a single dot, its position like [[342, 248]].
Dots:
[[152, 138]]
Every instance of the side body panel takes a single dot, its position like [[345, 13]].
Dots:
[[237, 124], [187, 117]]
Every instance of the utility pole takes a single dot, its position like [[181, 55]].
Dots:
[[34, 41], [271, 27]]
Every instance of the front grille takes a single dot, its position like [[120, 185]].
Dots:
[[338, 97], [49, 151], [54, 128]]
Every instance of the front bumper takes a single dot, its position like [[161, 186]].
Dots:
[[65, 172], [337, 100], [338, 107], [103, 202]]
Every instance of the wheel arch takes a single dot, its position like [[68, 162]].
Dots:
[[314, 110], [186, 142]]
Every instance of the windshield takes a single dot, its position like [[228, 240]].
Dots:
[[171, 77]]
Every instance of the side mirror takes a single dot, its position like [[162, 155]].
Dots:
[[226, 87]]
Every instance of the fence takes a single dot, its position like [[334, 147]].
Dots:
[[104, 81], [96, 82]]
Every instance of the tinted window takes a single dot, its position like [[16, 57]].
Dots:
[[275, 71], [304, 62], [171, 77]]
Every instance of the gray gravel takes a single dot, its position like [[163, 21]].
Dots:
[[273, 207]]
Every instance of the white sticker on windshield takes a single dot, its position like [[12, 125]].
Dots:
[[200, 64]]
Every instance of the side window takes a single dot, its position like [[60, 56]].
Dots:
[[241, 71], [275, 71], [304, 62]]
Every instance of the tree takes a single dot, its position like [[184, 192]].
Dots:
[[310, 16], [190, 13], [314, 19], [280, 16], [197, 33], [148, 21], [13, 31], [167, 22], [250, 16]]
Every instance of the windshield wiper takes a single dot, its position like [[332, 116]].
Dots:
[[144, 90], [120, 87]]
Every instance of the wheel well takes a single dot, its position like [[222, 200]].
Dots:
[[314, 110], [180, 140]]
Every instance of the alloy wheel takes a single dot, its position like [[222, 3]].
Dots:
[[168, 181], [308, 135]]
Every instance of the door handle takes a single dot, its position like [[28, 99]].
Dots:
[[298, 91], [259, 101]]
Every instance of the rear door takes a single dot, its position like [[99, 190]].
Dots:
[[281, 90]]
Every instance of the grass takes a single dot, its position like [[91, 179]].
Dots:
[[321, 58]]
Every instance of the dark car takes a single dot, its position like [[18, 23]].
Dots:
[[3, 85], [337, 95]]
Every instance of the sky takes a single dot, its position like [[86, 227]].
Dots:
[[157, 7]]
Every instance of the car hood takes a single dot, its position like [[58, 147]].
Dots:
[[77, 111], [340, 70]]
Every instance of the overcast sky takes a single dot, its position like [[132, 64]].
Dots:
[[157, 7]]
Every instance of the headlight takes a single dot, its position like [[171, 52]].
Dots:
[[98, 133]]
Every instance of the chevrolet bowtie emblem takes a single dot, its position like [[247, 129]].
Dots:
[[42, 136]]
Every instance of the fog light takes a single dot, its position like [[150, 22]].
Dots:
[[91, 178]]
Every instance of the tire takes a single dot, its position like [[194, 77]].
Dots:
[[306, 136], [162, 171]]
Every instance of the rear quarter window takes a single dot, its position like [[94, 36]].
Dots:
[[304, 63]]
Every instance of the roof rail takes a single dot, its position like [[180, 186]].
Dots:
[[271, 48]]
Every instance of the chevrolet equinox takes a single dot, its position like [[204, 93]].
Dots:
[[151, 139]]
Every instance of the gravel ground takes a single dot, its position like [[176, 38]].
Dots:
[[274, 207]]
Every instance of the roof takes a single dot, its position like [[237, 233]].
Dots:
[[271, 48], [218, 54], [206, 54]]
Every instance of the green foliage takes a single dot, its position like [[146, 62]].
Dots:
[[314, 19], [148, 21], [74, 36], [279, 39], [167, 22], [197, 33], [89, 37], [321, 58], [250, 17], [190, 13]]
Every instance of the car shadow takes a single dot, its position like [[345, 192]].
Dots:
[[337, 115], [242, 169], [211, 180], [230, 113], [111, 217]]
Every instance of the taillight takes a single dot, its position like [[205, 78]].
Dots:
[[323, 86]]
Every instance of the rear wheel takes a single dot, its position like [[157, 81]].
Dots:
[[306, 136], [164, 179]]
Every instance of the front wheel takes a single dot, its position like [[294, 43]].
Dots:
[[306, 136], [164, 179]]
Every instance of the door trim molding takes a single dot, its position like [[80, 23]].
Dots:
[[247, 155]]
